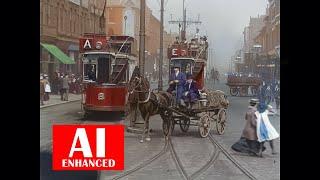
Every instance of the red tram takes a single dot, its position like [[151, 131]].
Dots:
[[108, 63], [192, 57]]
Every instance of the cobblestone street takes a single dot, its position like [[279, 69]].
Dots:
[[193, 151]]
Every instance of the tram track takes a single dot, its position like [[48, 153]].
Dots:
[[211, 161], [177, 161], [229, 156], [144, 164]]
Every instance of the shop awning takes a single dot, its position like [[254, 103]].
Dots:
[[56, 52]]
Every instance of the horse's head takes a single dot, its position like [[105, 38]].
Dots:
[[138, 86]]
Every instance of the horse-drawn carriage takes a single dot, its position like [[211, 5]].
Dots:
[[240, 85], [208, 112]]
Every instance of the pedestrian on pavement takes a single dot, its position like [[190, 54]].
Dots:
[[277, 95], [61, 90], [47, 88], [265, 130], [248, 142], [65, 88], [42, 90]]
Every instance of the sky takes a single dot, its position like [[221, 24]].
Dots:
[[223, 21]]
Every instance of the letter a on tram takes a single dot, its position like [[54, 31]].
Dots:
[[87, 44]]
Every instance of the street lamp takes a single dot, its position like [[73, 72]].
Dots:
[[125, 25]]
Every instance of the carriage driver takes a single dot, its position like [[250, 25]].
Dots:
[[177, 80]]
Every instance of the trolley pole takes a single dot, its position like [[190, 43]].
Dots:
[[160, 84], [142, 37], [137, 126]]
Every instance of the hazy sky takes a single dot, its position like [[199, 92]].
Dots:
[[223, 22]]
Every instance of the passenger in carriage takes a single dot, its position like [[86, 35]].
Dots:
[[191, 92]]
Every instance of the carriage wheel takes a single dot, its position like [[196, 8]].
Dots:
[[244, 91], [184, 124], [204, 126], [221, 121], [167, 123], [233, 91]]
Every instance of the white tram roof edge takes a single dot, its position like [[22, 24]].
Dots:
[[183, 58], [119, 55]]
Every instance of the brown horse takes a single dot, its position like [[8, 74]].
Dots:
[[149, 103]]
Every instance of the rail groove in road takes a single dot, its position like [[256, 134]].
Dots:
[[177, 161], [211, 161], [144, 164], [229, 156]]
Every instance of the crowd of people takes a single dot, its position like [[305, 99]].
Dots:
[[59, 83]]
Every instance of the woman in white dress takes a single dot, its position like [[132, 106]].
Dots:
[[265, 130]]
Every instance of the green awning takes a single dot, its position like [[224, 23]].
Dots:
[[56, 52]]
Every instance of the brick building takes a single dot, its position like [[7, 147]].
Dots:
[[61, 24], [251, 31], [269, 39], [269, 36], [123, 17]]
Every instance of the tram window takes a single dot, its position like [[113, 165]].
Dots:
[[103, 69]]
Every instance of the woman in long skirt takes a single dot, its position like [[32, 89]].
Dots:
[[265, 130]]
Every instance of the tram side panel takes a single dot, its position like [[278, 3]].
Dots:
[[109, 98]]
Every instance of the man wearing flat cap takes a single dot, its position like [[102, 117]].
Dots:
[[176, 82]]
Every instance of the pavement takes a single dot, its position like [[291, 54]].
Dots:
[[55, 100]]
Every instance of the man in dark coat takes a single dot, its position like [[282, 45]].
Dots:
[[176, 82], [191, 92]]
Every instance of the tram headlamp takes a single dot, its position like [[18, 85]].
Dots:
[[98, 45]]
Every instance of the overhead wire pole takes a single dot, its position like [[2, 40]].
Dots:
[[142, 37], [160, 83], [184, 22]]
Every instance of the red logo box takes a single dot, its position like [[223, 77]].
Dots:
[[88, 147]]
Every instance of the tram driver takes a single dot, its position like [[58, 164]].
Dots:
[[176, 82], [92, 73]]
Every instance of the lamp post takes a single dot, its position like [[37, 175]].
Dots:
[[160, 84], [142, 37], [125, 25]]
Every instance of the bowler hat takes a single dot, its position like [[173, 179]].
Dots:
[[254, 101]]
